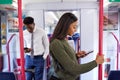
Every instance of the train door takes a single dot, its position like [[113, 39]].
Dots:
[[51, 18], [111, 43]]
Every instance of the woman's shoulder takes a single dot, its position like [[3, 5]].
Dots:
[[55, 41]]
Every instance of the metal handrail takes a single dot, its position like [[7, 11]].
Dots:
[[8, 51], [118, 45]]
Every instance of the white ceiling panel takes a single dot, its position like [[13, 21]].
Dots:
[[38, 1], [78, 0], [26, 2]]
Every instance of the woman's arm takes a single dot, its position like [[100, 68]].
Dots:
[[66, 62]]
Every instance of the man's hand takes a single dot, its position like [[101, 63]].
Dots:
[[27, 50]]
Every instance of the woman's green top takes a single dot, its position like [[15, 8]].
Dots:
[[65, 56]]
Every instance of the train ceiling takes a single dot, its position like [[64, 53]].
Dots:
[[25, 2], [12, 7]]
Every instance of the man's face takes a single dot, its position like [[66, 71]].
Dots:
[[30, 27]]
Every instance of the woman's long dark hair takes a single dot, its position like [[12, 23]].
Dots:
[[63, 25]]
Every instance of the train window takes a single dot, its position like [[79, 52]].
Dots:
[[111, 38], [52, 17]]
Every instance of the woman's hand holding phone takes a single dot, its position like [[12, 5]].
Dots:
[[89, 52], [82, 54]]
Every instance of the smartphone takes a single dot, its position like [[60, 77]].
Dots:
[[89, 52], [25, 48]]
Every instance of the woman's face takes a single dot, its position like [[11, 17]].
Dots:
[[72, 28]]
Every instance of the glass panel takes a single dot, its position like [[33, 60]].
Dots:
[[52, 17], [111, 37]]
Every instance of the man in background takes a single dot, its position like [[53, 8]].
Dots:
[[36, 47]]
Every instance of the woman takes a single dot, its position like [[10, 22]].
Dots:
[[64, 57]]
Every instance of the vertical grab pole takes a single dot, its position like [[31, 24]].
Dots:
[[100, 36], [21, 39]]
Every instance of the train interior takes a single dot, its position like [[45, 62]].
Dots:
[[46, 14]]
